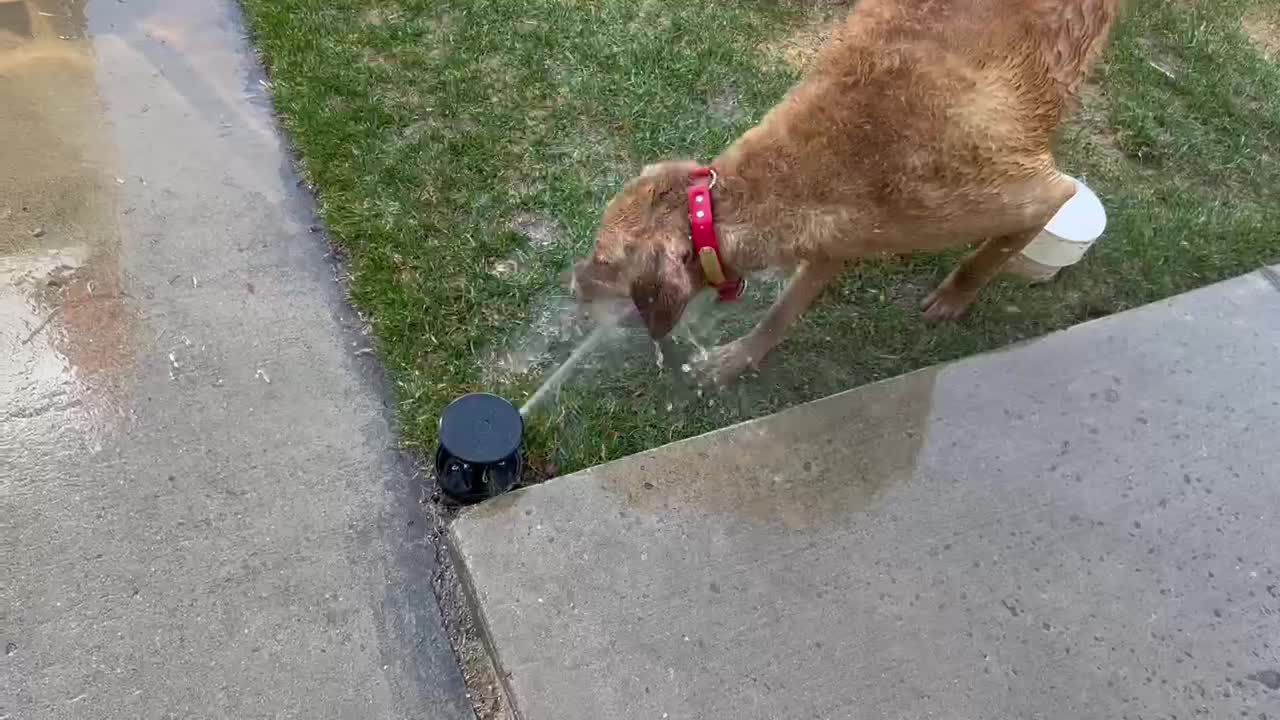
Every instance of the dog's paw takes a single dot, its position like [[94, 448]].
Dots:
[[947, 303], [722, 365]]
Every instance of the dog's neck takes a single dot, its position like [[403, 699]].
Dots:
[[743, 223]]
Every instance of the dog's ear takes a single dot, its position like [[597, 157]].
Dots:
[[661, 290]]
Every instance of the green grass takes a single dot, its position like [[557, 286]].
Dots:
[[442, 134]]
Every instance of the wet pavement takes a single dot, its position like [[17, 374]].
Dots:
[[202, 509], [1082, 526]]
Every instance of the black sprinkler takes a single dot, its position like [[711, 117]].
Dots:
[[479, 452]]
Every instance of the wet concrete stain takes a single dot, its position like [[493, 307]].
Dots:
[[63, 323], [52, 190], [65, 349], [800, 469], [15, 18]]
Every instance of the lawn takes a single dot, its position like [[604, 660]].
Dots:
[[462, 150]]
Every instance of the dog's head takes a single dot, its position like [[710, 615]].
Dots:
[[642, 254]]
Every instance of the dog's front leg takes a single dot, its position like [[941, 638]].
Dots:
[[726, 362]]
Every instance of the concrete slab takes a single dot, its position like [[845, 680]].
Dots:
[[1084, 526], [203, 512]]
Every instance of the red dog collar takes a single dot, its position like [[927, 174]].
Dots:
[[702, 230]]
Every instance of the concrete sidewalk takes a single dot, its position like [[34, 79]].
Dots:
[[203, 512], [1084, 526]]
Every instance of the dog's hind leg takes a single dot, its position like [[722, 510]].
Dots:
[[953, 297]]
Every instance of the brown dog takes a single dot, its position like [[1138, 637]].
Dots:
[[924, 125]]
